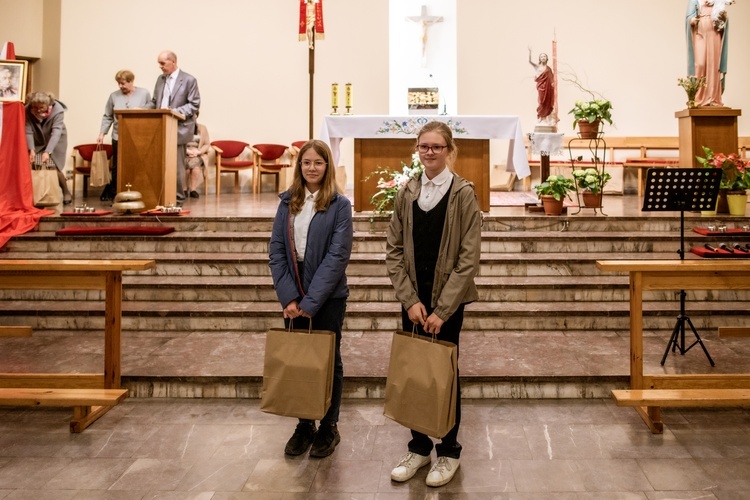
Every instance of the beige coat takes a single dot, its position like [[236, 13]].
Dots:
[[460, 248]]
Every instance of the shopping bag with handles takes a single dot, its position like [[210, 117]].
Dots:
[[420, 392], [298, 372], [100, 174]]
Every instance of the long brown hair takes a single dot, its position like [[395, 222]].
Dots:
[[444, 130], [327, 185]]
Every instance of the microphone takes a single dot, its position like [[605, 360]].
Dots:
[[724, 246], [709, 247], [739, 247]]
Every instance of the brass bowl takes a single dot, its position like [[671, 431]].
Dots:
[[126, 207]]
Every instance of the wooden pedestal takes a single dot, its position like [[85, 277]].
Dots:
[[714, 128]]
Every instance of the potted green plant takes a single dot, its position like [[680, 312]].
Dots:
[[591, 182], [588, 115], [553, 192]]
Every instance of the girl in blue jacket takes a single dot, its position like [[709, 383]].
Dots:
[[309, 251]]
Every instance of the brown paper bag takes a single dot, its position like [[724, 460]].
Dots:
[[46, 186], [298, 373], [100, 174], [420, 392]]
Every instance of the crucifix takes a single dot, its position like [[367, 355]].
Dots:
[[425, 21]]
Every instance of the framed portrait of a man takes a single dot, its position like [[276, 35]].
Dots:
[[13, 75]]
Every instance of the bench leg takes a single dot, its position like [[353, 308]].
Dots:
[[83, 416], [652, 416]]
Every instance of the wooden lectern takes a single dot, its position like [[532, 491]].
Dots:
[[473, 164], [713, 127], [147, 154]]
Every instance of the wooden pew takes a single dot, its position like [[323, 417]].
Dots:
[[90, 395], [88, 404]]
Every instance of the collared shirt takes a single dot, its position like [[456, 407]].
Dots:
[[433, 190], [169, 88], [302, 223]]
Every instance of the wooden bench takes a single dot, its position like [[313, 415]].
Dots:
[[682, 397], [103, 275], [648, 392], [88, 404]]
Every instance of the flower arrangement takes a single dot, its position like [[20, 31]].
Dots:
[[591, 179], [692, 84], [590, 111], [557, 186], [735, 171], [391, 181]]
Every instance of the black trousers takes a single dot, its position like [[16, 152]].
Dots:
[[450, 332]]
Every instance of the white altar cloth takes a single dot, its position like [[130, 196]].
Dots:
[[507, 127]]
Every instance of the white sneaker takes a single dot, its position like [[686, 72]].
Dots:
[[408, 466], [442, 471]]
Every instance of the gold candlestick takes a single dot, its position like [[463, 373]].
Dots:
[[348, 99], [335, 98]]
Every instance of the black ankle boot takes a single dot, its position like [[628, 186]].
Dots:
[[325, 441], [301, 439]]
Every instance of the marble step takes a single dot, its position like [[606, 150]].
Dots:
[[371, 289], [257, 242], [361, 264], [368, 316], [529, 222]]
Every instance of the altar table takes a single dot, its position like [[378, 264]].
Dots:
[[386, 141]]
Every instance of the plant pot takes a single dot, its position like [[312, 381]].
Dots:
[[589, 130], [591, 200], [737, 202], [551, 205]]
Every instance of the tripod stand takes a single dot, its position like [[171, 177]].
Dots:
[[670, 189]]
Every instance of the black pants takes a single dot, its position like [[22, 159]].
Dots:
[[450, 331]]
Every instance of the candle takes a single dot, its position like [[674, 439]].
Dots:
[[348, 95], [335, 95]]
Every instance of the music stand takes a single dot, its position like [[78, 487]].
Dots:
[[670, 189]]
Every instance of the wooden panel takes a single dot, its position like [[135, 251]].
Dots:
[[734, 331], [473, 163], [147, 155], [53, 380], [715, 128], [697, 381], [61, 397], [684, 397], [60, 266], [15, 331]]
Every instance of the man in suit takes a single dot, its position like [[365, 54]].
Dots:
[[177, 91]]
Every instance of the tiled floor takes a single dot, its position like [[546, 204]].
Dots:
[[513, 449]]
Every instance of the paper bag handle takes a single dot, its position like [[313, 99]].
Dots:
[[291, 327]]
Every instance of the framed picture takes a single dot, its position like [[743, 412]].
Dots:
[[13, 75]]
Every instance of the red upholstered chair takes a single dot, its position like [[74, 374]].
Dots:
[[228, 161], [82, 163], [268, 160]]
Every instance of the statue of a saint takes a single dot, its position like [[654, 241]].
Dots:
[[545, 86], [707, 27]]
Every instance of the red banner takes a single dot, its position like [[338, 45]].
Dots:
[[314, 20]]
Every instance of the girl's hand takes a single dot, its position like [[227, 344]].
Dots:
[[417, 313]]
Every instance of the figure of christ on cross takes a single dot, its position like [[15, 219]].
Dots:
[[425, 21]]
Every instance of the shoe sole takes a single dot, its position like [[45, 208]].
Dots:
[[336, 441], [413, 474]]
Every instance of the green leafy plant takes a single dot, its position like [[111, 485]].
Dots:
[[557, 186], [390, 181], [735, 171], [590, 179], [590, 111]]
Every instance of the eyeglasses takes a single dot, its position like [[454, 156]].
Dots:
[[424, 148], [317, 163]]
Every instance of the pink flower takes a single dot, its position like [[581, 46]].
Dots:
[[385, 185]]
